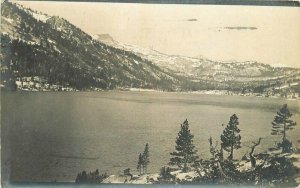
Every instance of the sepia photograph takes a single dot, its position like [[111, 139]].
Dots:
[[115, 93]]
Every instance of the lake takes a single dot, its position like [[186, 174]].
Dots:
[[52, 136]]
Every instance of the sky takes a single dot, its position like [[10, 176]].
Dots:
[[268, 35]]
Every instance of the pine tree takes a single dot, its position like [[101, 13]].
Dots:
[[140, 163], [145, 159], [281, 124], [230, 137], [185, 153]]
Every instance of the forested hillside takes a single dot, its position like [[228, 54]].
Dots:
[[41, 53], [53, 50]]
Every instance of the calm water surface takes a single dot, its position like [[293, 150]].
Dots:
[[53, 136]]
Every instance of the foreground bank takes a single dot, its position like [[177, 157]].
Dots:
[[278, 166]]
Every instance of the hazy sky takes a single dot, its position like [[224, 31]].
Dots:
[[265, 34]]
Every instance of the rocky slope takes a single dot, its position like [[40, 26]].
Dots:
[[249, 75], [51, 49], [42, 52], [198, 67]]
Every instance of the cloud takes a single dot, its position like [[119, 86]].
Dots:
[[237, 28], [192, 20], [240, 28]]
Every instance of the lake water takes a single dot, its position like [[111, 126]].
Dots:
[[53, 136]]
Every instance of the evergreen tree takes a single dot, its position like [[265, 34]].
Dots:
[[140, 163], [281, 124], [230, 137], [213, 172], [145, 158], [185, 153]]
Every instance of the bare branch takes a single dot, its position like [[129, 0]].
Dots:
[[252, 159]]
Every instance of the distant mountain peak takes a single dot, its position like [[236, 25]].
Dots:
[[105, 38]]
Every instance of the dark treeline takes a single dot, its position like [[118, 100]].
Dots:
[[270, 168]]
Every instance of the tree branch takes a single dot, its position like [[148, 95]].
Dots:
[[252, 159]]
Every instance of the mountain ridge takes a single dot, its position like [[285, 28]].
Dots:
[[63, 54], [55, 52], [246, 75], [147, 52]]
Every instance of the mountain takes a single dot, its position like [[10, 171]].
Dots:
[[202, 73], [42, 52], [52, 51], [202, 67]]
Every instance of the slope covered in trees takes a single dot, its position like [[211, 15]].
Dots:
[[60, 53], [51, 51]]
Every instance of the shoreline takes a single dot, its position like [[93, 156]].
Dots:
[[199, 92]]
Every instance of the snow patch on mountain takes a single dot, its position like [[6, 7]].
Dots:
[[40, 17], [279, 65], [8, 19], [200, 66], [105, 38], [35, 14]]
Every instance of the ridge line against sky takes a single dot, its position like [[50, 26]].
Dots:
[[290, 3], [222, 33]]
